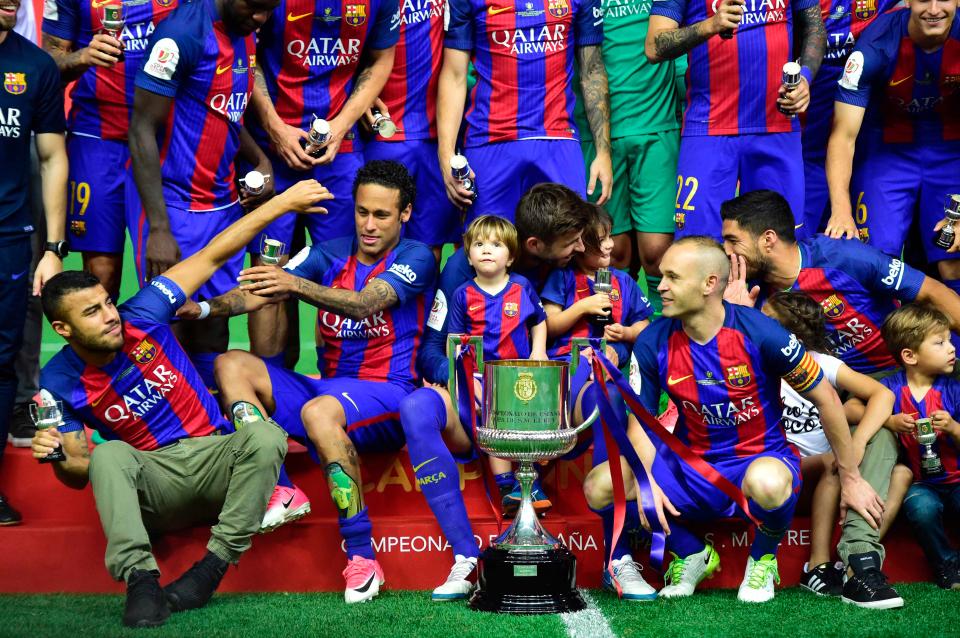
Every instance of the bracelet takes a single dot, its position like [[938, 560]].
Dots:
[[204, 310]]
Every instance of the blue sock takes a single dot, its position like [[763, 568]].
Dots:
[[505, 480], [682, 541], [773, 525], [423, 416], [277, 360], [203, 362], [283, 480], [631, 521], [356, 533]]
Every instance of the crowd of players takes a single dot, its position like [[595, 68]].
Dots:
[[577, 161]]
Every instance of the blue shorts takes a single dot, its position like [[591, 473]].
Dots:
[[894, 180], [816, 203], [371, 408], [339, 220], [507, 170], [697, 499], [710, 167], [95, 204], [192, 231], [435, 221]]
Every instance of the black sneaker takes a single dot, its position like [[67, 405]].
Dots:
[[948, 576], [146, 606], [824, 580], [868, 586], [22, 428], [194, 589], [8, 515]]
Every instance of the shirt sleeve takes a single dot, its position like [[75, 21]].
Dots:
[[554, 290], [175, 50], [458, 25], [456, 321], [412, 273], [432, 358], [588, 24], [61, 19], [803, 5], [673, 9], [638, 306], [644, 373], [386, 30], [49, 108], [879, 272], [538, 315], [830, 366], [310, 263], [784, 355], [157, 302], [862, 69]]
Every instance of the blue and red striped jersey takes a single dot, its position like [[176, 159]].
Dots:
[[910, 95], [310, 51], [844, 21], [503, 320], [856, 285], [150, 395], [523, 54], [566, 286], [382, 347], [208, 72], [727, 391], [732, 84], [944, 395], [411, 92], [102, 99]]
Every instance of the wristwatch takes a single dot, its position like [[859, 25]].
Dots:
[[59, 248]]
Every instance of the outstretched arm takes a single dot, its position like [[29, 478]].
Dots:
[[667, 40], [375, 297]]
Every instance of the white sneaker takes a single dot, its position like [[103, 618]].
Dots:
[[458, 584], [632, 584], [758, 579], [684, 574]]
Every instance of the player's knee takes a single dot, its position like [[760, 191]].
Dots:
[[265, 441], [320, 418], [770, 489], [231, 366], [110, 457], [597, 488]]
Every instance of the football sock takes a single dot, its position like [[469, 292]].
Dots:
[[423, 416], [631, 521], [652, 295], [773, 525], [283, 479], [356, 534], [682, 541]]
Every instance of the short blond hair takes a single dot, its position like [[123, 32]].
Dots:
[[906, 327], [492, 227]]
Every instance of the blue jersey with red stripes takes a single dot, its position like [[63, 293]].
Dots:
[[944, 395], [910, 95], [504, 319], [727, 391], [150, 395], [310, 51], [523, 54], [102, 99], [208, 71], [411, 91], [856, 285], [732, 84], [844, 21], [383, 346], [567, 286]]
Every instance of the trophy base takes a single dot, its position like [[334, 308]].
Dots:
[[540, 582]]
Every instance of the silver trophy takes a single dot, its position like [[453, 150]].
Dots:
[[460, 169], [602, 283], [316, 137], [930, 464], [526, 419], [383, 125], [951, 212], [253, 182], [791, 78], [112, 22], [48, 414], [270, 251]]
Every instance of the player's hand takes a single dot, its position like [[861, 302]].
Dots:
[[614, 332], [794, 99], [728, 16], [162, 252], [596, 304], [663, 506], [267, 281], [841, 226], [304, 196], [612, 355], [249, 201], [956, 239], [338, 130], [285, 141], [538, 355], [368, 119], [45, 441], [901, 423], [942, 421], [49, 266], [738, 291], [103, 51], [456, 193], [856, 494], [601, 168]]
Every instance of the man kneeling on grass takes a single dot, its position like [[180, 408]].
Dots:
[[163, 467]]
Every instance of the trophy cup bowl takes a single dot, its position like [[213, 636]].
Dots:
[[525, 419]]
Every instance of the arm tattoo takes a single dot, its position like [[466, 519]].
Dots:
[[673, 43], [68, 60], [812, 38], [596, 95], [362, 79], [376, 296], [261, 83], [229, 304]]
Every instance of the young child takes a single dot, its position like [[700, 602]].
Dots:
[[803, 316], [919, 338], [505, 309]]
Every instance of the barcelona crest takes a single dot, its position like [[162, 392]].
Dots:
[[511, 308], [738, 376], [864, 9], [15, 83], [558, 8], [832, 307], [356, 14], [144, 352], [614, 295], [164, 3]]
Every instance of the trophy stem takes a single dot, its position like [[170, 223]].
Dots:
[[526, 534]]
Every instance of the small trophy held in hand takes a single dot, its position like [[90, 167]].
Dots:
[[951, 212], [112, 21], [930, 464], [602, 283], [383, 125], [48, 414]]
